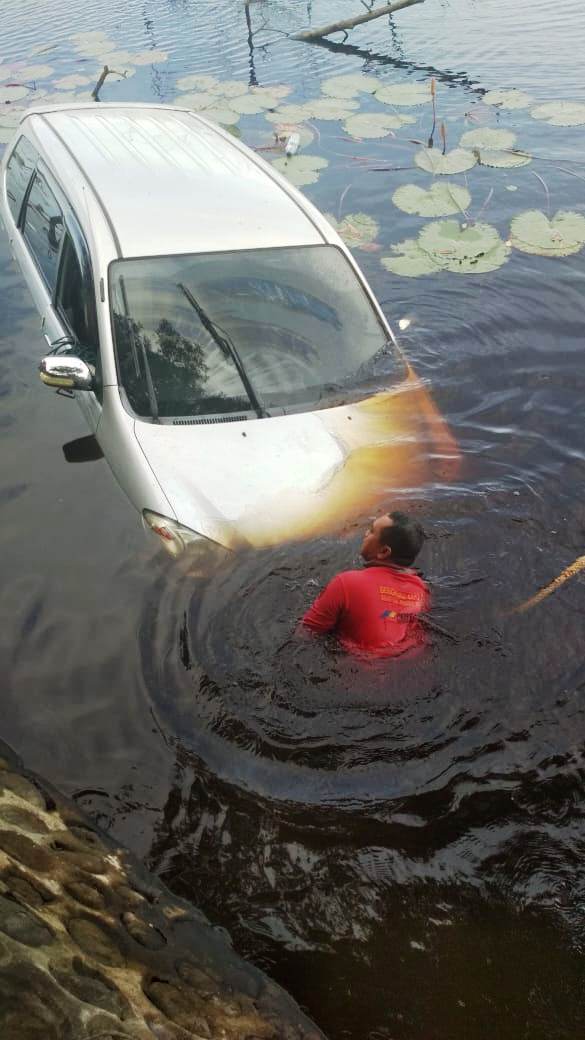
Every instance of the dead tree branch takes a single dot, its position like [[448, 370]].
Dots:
[[349, 23], [105, 72]]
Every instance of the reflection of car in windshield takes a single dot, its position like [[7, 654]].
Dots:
[[224, 347]]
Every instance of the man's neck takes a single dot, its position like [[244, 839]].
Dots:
[[386, 563]]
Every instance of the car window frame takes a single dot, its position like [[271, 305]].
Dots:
[[18, 218], [60, 199]]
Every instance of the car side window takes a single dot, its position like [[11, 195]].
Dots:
[[43, 228], [75, 302], [19, 171]]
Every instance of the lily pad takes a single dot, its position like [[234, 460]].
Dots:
[[350, 85], [463, 248], [12, 94], [372, 124], [6, 134], [441, 200], [356, 229], [198, 81], [560, 113], [487, 137], [456, 161], [409, 260], [301, 169], [198, 102], [331, 108], [502, 160], [508, 98], [279, 90], [533, 232], [221, 114], [408, 94], [30, 72], [71, 82], [11, 116], [152, 57], [229, 88], [288, 114], [246, 104]]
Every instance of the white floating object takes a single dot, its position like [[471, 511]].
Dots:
[[293, 143], [403, 324]]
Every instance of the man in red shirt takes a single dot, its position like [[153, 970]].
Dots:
[[375, 609]]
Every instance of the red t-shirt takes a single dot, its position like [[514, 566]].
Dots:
[[373, 609]]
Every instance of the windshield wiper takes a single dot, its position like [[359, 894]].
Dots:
[[147, 373], [227, 347]]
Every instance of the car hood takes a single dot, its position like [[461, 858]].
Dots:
[[265, 481]]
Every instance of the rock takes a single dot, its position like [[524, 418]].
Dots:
[[93, 947]]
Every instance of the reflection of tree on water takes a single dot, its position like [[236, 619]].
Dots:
[[177, 364]]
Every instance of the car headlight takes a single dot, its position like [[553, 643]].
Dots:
[[174, 537]]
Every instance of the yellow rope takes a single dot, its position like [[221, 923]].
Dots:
[[564, 576]]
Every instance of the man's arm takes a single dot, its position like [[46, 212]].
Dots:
[[325, 612]]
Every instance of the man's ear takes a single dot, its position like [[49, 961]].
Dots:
[[384, 551]]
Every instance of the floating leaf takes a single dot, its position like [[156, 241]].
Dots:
[[288, 114], [10, 116], [152, 57], [533, 232], [229, 88], [71, 82], [6, 134], [502, 160], [30, 72], [409, 260], [463, 248], [221, 114], [372, 124], [508, 98], [350, 85], [12, 94], [198, 102], [196, 82], [439, 201], [113, 59], [487, 137], [246, 104], [560, 113], [456, 161], [357, 229], [405, 94], [300, 169], [331, 108]]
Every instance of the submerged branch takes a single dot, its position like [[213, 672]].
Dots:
[[104, 74], [349, 23]]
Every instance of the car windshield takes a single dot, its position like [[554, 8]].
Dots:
[[255, 331]]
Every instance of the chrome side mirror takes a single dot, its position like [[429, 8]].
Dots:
[[65, 372]]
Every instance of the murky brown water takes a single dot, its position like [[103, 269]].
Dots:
[[401, 846]]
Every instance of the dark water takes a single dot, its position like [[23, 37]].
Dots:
[[401, 846]]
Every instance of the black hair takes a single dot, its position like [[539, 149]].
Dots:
[[405, 538]]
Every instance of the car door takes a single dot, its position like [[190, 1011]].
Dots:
[[75, 306]]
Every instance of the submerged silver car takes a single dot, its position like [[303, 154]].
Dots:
[[224, 347]]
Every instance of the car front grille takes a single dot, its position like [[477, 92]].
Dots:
[[210, 419]]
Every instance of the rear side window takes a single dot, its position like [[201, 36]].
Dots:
[[19, 171], [43, 228]]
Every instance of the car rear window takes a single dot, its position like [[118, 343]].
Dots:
[[43, 228], [19, 171], [271, 330]]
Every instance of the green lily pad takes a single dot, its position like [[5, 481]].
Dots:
[[12, 94], [560, 113], [463, 248], [487, 137], [113, 59], [331, 108], [198, 102], [228, 88], [221, 114], [441, 200], [30, 72], [409, 260], [153, 57], [198, 82], [502, 160], [372, 124], [288, 114], [300, 169], [247, 104], [408, 94], [456, 161], [508, 98], [350, 85], [533, 232], [71, 82], [356, 229]]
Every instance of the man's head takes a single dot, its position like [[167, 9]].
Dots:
[[393, 538]]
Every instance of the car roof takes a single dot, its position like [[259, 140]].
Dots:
[[169, 181]]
